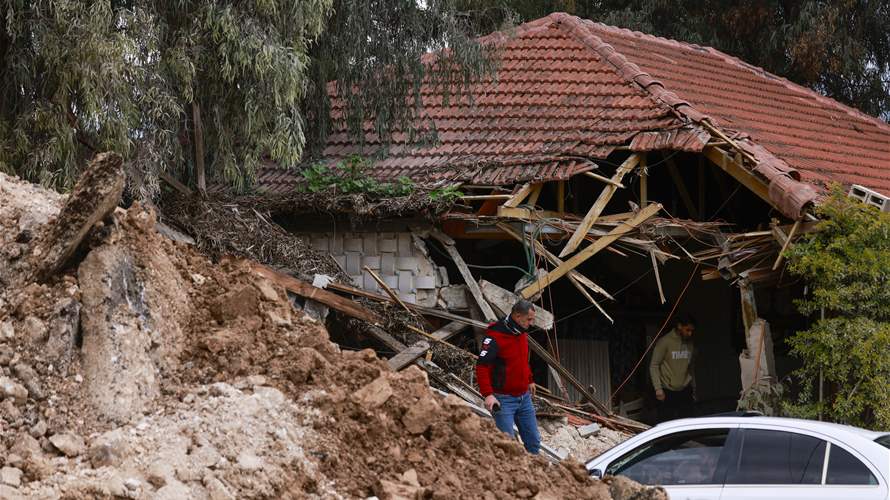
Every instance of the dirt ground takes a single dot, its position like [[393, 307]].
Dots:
[[141, 369]]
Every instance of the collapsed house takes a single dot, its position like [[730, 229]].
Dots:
[[614, 178]]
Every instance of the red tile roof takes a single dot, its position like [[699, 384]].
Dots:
[[819, 139], [568, 91]]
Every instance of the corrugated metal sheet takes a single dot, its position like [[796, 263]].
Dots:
[[588, 361]]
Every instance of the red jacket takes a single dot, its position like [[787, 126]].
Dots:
[[502, 366]]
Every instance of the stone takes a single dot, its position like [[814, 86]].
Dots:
[[205, 456], [417, 419], [410, 477], [9, 411], [159, 474], [70, 444], [34, 330], [375, 394], [242, 302], [13, 390], [249, 461], [11, 476], [216, 490], [7, 332], [6, 355], [267, 290], [39, 429], [589, 429], [109, 449], [174, 491], [277, 318], [25, 446], [389, 490], [254, 380], [9, 493], [223, 389], [30, 379], [132, 484]]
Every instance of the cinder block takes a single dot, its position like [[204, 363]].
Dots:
[[353, 263], [356, 280], [409, 298], [388, 245], [406, 281], [425, 282], [406, 264], [388, 263], [352, 244], [392, 281], [336, 242], [370, 284], [320, 244], [426, 298], [370, 244], [372, 261], [406, 246]]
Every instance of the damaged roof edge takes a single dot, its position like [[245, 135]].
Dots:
[[787, 192]]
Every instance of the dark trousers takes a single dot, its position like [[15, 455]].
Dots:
[[676, 404]]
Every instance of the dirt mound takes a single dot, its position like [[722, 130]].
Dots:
[[140, 369]]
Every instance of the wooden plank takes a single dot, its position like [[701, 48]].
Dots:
[[598, 206], [467, 275], [474, 197], [526, 214], [306, 290], [787, 242], [574, 275], [408, 356], [591, 250], [504, 299], [739, 173], [657, 275], [681, 188], [535, 194], [604, 179], [519, 196], [561, 196]]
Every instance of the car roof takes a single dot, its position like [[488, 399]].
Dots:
[[812, 425]]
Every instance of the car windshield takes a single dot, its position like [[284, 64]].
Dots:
[[884, 441]]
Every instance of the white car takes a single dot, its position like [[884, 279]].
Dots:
[[754, 457]]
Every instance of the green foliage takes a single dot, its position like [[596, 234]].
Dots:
[[846, 265], [448, 194], [840, 48], [351, 176]]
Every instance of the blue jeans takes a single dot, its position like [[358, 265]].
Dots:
[[519, 410]]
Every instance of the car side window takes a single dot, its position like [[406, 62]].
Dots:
[[677, 459], [844, 468], [776, 457]]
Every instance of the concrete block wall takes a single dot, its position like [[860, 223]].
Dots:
[[401, 259]]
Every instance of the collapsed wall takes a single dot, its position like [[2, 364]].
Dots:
[[133, 367]]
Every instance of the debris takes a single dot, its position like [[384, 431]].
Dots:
[[589, 429], [11, 476], [13, 390], [71, 445]]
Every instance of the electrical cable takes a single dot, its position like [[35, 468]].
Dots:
[[657, 335]]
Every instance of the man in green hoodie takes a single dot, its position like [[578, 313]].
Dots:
[[671, 370]]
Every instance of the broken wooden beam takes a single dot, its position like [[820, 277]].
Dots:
[[408, 356], [448, 243], [790, 237], [657, 276], [503, 300], [519, 196], [599, 205], [591, 250], [604, 179], [306, 290]]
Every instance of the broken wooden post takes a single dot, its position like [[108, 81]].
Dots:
[[519, 196], [95, 196], [415, 351], [786, 244], [599, 205], [503, 300], [591, 250], [448, 243]]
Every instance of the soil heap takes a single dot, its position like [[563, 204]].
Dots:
[[131, 366]]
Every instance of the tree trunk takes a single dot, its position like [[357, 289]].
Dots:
[[199, 149]]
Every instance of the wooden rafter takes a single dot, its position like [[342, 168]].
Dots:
[[535, 194], [599, 205], [561, 196], [519, 196], [591, 250], [732, 167], [472, 285]]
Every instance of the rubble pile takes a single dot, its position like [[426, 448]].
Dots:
[[131, 366]]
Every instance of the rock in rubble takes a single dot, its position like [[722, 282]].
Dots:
[[70, 444], [9, 493], [7, 332], [11, 476], [374, 394], [108, 450], [30, 379], [38, 430], [418, 417], [9, 388], [622, 487], [6, 355], [390, 490]]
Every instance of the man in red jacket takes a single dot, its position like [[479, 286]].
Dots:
[[505, 377]]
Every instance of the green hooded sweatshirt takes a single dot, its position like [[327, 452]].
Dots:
[[670, 367]]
